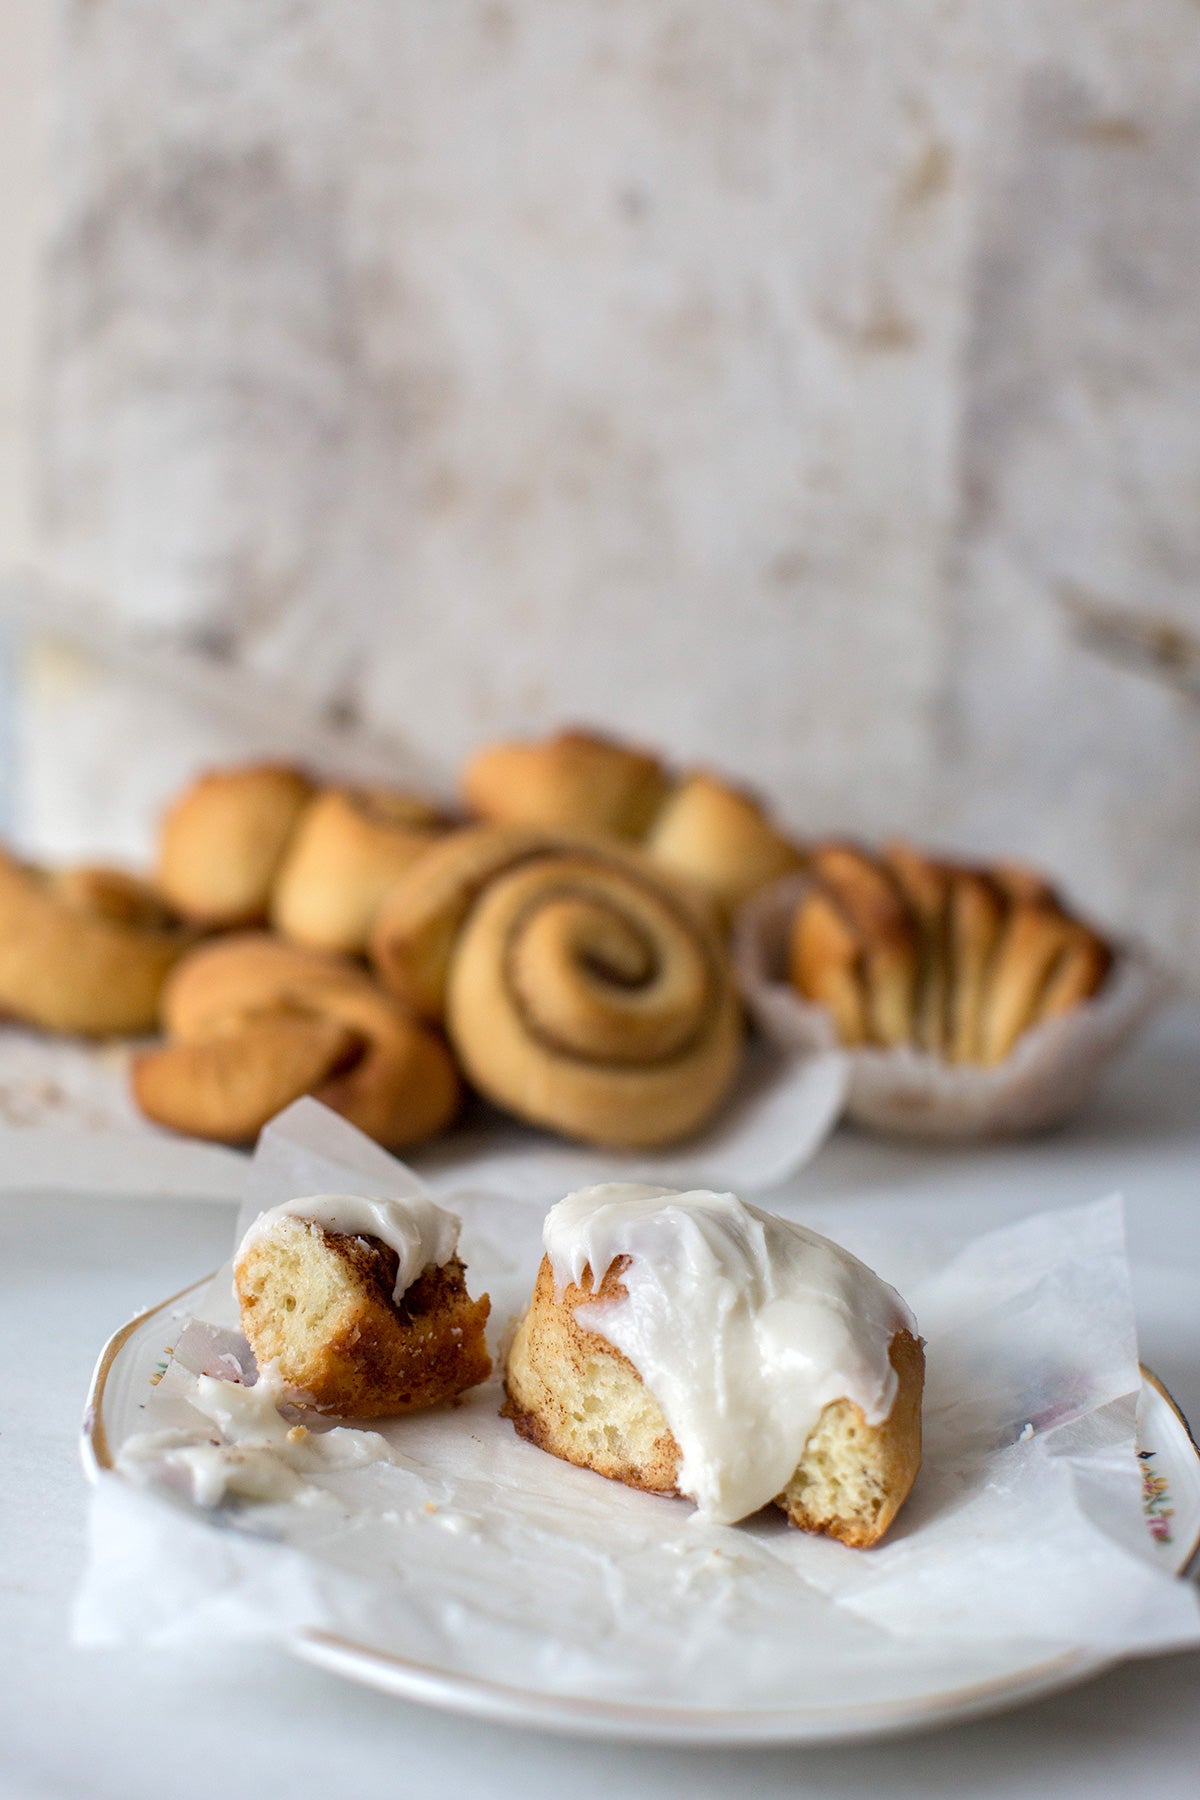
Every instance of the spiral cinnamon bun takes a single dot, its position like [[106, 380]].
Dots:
[[582, 990]]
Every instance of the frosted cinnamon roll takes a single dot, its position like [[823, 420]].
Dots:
[[688, 1344], [582, 989], [360, 1307]]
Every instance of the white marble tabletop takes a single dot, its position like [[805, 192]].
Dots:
[[232, 1722]]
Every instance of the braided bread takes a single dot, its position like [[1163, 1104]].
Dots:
[[582, 989], [584, 784], [84, 950], [960, 961], [253, 1023]]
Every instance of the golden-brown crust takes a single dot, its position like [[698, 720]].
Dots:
[[83, 951], [587, 996], [226, 1086], [561, 1375], [925, 884], [548, 1362], [958, 960], [1044, 964], [573, 781], [721, 837], [582, 988], [416, 928], [975, 920], [222, 840], [253, 1023], [824, 963], [700, 828], [347, 851], [357, 1353], [874, 912]]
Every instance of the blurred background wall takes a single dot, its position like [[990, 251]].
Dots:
[[775, 383]]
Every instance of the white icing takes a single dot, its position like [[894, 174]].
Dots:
[[249, 1451], [743, 1326], [422, 1235]]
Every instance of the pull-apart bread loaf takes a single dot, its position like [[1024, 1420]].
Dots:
[[581, 988], [579, 782], [360, 1307], [959, 961], [84, 950], [691, 1345], [253, 1023], [248, 845]]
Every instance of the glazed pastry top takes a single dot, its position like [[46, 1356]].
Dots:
[[744, 1326], [422, 1235]]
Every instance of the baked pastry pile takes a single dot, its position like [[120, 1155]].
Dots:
[[696, 825], [569, 956], [581, 989], [960, 961]]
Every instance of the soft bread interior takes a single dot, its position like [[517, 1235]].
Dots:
[[317, 1309]]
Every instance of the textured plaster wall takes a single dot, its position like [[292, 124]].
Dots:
[[753, 379]]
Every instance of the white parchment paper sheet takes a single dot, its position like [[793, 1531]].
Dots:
[[58, 1094]]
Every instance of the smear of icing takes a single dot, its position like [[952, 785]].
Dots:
[[743, 1326], [249, 1450]]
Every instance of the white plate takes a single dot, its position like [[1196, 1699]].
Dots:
[[963, 1686]]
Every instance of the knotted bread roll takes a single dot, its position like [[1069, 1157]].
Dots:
[[582, 988], [84, 950], [698, 826], [253, 1023]]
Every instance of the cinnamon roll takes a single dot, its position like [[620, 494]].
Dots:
[[582, 989], [222, 841]]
